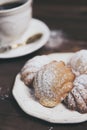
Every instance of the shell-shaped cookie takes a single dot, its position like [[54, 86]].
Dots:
[[31, 67], [78, 62], [77, 98], [52, 83]]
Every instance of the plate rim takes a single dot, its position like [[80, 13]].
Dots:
[[81, 117], [43, 41]]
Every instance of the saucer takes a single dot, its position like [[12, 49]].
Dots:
[[26, 100], [36, 26]]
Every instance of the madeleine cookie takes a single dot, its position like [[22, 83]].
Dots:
[[31, 67], [52, 83]]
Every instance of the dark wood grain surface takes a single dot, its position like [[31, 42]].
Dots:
[[68, 21], [66, 15]]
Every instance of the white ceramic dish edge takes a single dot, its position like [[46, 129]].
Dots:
[[36, 26], [58, 114]]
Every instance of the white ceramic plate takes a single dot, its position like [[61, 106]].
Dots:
[[36, 26], [28, 104]]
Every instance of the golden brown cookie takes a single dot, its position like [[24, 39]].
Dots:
[[52, 83]]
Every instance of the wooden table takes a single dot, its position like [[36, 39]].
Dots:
[[67, 21]]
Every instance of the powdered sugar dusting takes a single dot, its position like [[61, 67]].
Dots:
[[78, 100], [53, 82], [32, 66], [79, 62], [82, 79], [51, 128], [46, 79]]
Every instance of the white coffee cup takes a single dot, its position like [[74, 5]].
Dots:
[[14, 21]]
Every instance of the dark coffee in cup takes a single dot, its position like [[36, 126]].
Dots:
[[11, 5]]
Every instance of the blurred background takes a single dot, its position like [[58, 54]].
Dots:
[[69, 16]]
